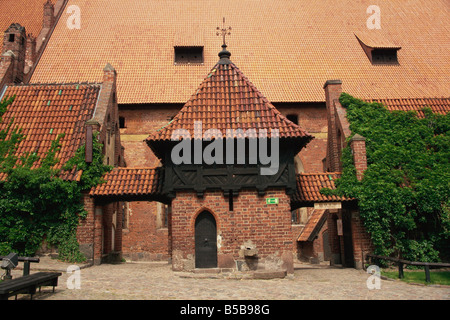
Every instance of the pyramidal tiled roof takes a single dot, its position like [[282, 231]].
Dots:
[[43, 111], [225, 100]]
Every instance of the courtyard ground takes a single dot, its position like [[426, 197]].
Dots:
[[156, 281]]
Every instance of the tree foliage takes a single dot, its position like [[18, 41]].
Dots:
[[404, 195], [35, 202]]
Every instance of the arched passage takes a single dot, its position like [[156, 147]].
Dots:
[[205, 241]]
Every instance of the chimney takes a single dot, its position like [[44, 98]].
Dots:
[[358, 146], [30, 53], [14, 40], [49, 15], [91, 127], [109, 74], [333, 89]]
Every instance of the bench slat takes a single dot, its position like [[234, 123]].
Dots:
[[28, 284]]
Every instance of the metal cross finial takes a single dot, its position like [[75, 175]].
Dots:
[[223, 32]]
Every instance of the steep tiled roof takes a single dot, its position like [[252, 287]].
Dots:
[[130, 182], [226, 99], [287, 48], [437, 105], [310, 184], [314, 222], [43, 111], [28, 13]]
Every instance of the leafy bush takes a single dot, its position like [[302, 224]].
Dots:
[[35, 203], [404, 195]]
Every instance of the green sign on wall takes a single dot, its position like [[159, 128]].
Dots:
[[271, 200]]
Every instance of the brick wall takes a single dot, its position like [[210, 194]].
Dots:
[[252, 222], [85, 230], [100, 235], [333, 89], [312, 117], [142, 238], [358, 146], [6, 69], [362, 244]]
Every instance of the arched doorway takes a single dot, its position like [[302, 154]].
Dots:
[[205, 241]]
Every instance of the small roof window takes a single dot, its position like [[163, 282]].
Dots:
[[379, 50], [188, 55]]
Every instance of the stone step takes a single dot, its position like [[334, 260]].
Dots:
[[269, 274]]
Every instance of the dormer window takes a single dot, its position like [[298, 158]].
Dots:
[[379, 50], [384, 56], [188, 55]]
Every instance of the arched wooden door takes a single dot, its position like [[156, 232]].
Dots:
[[205, 241]]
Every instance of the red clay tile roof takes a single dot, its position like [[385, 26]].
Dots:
[[226, 99], [377, 40], [287, 48], [43, 111], [28, 13], [130, 182], [315, 221], [437, 105], [310, 184]]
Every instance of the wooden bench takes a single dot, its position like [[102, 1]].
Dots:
[[28, 284]]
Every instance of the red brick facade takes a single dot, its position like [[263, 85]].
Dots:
[[264, 227]]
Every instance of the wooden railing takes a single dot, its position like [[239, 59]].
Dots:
[[402, 262], [26, 263]]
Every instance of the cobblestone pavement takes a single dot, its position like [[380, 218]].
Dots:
[[156, 281]]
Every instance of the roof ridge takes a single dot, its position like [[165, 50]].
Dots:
[[318, 173], [36, 84]]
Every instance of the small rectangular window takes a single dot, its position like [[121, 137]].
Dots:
[[12, 37], [293, 118], [384, 56], [188, 55], [121, 122]]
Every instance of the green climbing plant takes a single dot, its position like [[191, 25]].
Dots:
[[36, 204], [404, 195]]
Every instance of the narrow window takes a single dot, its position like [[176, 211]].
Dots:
[[124, 215], [121, 122], [295, 216], [12, 37], [167, 209], [230, 201]]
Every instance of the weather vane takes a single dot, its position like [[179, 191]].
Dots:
[[223, 32]]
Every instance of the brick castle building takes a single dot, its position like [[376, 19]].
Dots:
[[294, 58]]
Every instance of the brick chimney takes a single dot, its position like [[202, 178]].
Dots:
[[49, 15], [358, 146], [109, 74], [14, 40], [333, 89], [30, 53], [107, 104]]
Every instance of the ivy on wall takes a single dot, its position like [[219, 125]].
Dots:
[[35, 203], [404, 195]]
